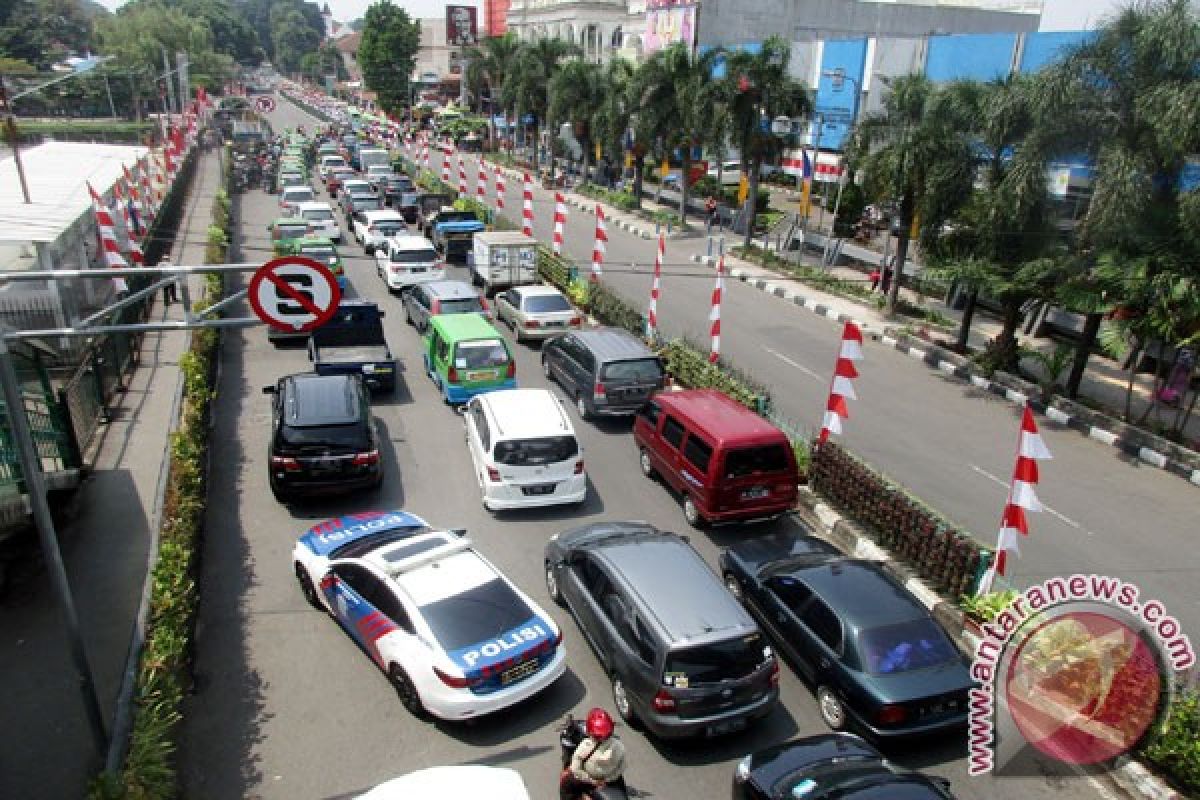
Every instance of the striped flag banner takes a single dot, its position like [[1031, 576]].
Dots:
[[107, 235], [600, 246], [500, 188], [652, 314], [560, 221], [841, 388], [481, 182], [527, 206], [714, 314], [462, 176]]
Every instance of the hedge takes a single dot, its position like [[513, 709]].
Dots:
[[163, 676], [1174, 748]]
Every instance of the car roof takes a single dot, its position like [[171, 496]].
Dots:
[[289, 221], [613, 344], [526, 413], [675, 585], [861, 592], [318, 400], [312, 241], [464, 326], [450, 290], [297, 189], [442, 565], [314, 205], [411, 243], [719, 415], [381, 214], [504, 237], [539, 290]]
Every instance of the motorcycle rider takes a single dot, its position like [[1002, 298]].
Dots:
[[598, 759]]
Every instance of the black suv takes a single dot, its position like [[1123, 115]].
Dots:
[[605, 371], [322, 436], [685, 657]]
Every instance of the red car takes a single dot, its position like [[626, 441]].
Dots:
[[333, 181]]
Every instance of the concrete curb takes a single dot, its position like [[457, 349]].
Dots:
[[1131, 777], [1139, 445]]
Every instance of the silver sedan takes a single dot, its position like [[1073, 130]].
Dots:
[[536, 312]]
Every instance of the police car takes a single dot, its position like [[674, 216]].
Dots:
[[455, 637]]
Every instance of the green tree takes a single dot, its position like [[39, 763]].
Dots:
[[526, 88], [388, 53], [613, 118], [908, 151], [677, 95], [757, 89], [292, 37], [1129, 97], [487, 66], [43, 32], [136, 36], [577, 94]]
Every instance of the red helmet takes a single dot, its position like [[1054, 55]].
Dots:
[[599, 724]]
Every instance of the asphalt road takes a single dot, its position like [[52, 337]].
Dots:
[[287, 706]]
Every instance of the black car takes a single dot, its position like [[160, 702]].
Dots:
[[605, 371], [875, 656], [391, 187], [322, 436], [833, 765]]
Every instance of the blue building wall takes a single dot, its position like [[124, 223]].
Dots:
[[981, 56], [837, 105], [1044, 48]]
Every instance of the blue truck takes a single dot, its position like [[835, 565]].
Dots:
[[352, 343], [451, 230]]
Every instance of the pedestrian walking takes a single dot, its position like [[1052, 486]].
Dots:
[[874, 277], [170, 291], [710, 210], [888, 268]]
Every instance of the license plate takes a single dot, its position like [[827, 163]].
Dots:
[[485, 375], [520, 671], [755, 493], [722, 728], [542, 488], [416, 270]]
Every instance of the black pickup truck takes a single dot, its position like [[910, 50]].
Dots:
[[352, 343]]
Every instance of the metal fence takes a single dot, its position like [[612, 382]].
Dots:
[[53, 436]]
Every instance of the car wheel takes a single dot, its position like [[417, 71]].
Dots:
[[581, 406], [406, 691], [647, 464], [621, 701], [691, 513], [831, 708], [306, 587], [732, 584], [369, 249], [552, 585]]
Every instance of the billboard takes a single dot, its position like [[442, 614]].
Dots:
[[668, 22], [461, 27]]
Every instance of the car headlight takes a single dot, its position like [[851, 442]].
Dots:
[[742, 773], [368, 369]]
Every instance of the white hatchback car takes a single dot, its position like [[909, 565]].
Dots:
[[321, 219], [524, 450], [456, 638], [408, 260], [330, 163], [373, 229], [291, 196]]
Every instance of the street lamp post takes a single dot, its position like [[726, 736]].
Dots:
[[839, 77]]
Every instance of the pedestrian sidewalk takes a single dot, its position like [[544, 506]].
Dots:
[[106, 546]]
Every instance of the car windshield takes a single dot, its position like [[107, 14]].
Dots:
[[413, 256], [546, 303], [365, 203], [408, 199], [291, 231], [334, 161], [457, 216], [463, 305], [352, 437], [389, 228], [641, 369], [476, 615], [298, 197], [717, 661], [536, 452], [322, 253], [904, 647], [481, 353], [755, 460], [319, 214]]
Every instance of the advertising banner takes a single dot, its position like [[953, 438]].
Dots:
[[461, 26], [667, 23]]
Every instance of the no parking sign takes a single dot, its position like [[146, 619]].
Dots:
[[294, 294]]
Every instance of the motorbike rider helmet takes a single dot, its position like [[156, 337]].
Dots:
[[599, 724]]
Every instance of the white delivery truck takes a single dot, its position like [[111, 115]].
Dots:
[[372, 156], [500, 259]]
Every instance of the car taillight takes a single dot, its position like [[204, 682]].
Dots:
[[774, 676], [532, 323], [436, 308], [579, 467], [452, 375], [455, 682], [493, 474], [366, 459], [372, 229], [890, 714], [286, 462], [576, 322], [663, 702], [483, 303], [439, 265], [598, 389], [511, 371]]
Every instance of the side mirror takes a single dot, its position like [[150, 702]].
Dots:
[[269, 390], [460, 532]]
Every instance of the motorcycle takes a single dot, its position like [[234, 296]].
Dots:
[[570, 734]]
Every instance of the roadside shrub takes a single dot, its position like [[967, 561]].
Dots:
[[688, 365], [1174, 748]]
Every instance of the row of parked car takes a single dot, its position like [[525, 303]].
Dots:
[[690, 652]]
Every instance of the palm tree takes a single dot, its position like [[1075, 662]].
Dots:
[[487, 67], [676, 94], [577, 93], [527, 84], [758, 89], [904, 150], [1127, 97], [613, 118]]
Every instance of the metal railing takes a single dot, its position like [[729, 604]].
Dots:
[[53, 439]]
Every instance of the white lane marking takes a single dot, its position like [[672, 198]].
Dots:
[[793, 363], [1048, 509]]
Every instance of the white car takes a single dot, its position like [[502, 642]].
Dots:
[[456, 638], [524, 450], [467, 780], [374, 174], [408, 260], [536, 312], [373, 229], [731, 173], [321, 219], [330, 163], [355, 186], [291, 196]]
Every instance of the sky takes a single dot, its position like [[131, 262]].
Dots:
[[1058, 15]]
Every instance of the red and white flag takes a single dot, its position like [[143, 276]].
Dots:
[[500, 188], [560, 220], [527, 206], [135, 249], [445, 165], [600, 246], [136, 214], [714, 314], [462, 177], [149, 202], [841, 387], [481, 183], [107, 234], [1022, 497], [652, 314]]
